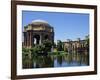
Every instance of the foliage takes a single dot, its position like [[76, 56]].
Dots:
[[43, 48], [47, 45], [57, 53], [87, 42], [37, 49], [25, 50], [54, 45], [59, 45]]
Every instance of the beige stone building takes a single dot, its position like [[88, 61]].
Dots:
[[36, 32], [78, 45]]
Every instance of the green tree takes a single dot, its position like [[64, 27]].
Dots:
[[87, 42], [55, 45], [59, 45], [25, 50], [47, 44], [37, 49]]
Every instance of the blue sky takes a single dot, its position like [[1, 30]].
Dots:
[[66, 25]]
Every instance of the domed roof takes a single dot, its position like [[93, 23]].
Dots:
[[40, 22], [39, 25]]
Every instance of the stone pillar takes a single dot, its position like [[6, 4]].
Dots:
[[30, 39], [40, 40], [24, 39], [42, 37], [52, 38], [27, 39]]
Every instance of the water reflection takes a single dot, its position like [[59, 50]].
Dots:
[[65, 60]]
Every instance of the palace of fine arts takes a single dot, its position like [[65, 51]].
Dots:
[[40, 49]]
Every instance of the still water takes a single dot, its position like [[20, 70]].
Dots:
[[65, 60]]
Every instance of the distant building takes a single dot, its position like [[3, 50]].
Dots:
[[37, 32], [78, 45]]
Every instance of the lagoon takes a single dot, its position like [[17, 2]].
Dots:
[[52, 61]]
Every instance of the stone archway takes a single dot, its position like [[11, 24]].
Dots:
[[36, 32], [36, 39]]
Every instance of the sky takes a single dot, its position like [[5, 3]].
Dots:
[[66, 25]]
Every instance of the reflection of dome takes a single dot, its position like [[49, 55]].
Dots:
[[40, 22]]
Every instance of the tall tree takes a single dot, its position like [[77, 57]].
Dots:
[[59, 45]]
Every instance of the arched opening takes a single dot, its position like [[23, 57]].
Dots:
[[36, 39]]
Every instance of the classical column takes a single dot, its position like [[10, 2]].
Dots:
[[40, 40], [24, 38], [30, 39], [27, 39]]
